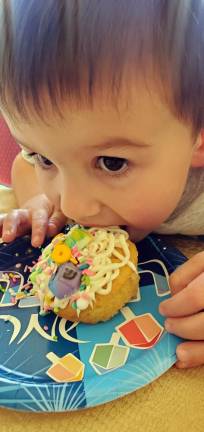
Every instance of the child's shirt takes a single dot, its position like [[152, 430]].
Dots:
[[188, 217]]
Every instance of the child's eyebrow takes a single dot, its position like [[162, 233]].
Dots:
[[106, 145], [119, 143]]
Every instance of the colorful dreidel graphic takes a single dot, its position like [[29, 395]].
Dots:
[[10, 288], [109, 356], [65, 369], [139, 331], [66, 281]]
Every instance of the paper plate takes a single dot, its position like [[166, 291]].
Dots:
[[50, 364]]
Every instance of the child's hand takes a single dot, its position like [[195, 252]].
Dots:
[[38, 215], [185, 311]]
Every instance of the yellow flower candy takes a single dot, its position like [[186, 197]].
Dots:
[[61, 253]]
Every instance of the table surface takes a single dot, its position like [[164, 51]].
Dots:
[[176, 399]]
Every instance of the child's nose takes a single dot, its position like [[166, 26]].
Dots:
[[78, 205]]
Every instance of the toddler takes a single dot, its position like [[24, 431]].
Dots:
[[106, 100]]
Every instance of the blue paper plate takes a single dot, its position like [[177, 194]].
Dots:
[[50, 364]]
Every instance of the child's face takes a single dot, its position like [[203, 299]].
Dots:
[[86, 179]]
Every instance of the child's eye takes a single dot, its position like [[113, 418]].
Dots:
[[42, 160], [112, 165]]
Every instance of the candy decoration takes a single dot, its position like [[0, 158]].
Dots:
[[61, 254], [66, 281], [83, 266]]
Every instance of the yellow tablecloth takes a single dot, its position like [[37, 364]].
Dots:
[[173, 403]]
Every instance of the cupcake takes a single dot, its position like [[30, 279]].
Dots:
[[87, 274]]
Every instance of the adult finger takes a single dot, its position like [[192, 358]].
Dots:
[[191, 327], [190, 354]]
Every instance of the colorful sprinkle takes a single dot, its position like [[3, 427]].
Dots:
[[88, 272], [46, 327], [81, 259], [20, 295], [85, 279], [75, 250], [73, 260], [83, 266]]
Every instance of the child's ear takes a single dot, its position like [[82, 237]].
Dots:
[[198, 152]]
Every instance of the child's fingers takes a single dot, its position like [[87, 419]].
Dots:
[[15, 223], [190, 354], [56, 221], [39, 226], [191, 327], [2, 218], [10, 224], [186, 302], [188, 271]]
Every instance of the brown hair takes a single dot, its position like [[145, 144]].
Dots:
[[71, 48]]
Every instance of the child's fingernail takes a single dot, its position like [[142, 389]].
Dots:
[[162, 309], [36, 240], [168, 325], [182, 355]]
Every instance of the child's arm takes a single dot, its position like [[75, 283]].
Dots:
[[185, 311], [35, 211]]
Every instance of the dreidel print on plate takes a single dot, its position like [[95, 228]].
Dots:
[[10, 286], [139, 331], [65, 369], [109, 356]]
